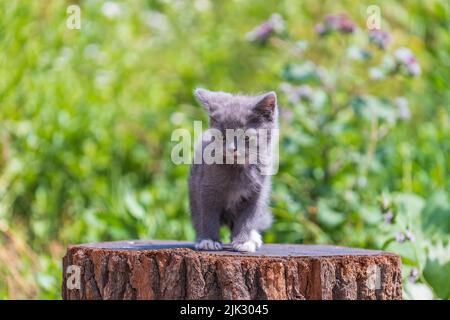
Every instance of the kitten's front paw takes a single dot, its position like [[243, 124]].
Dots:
[[256, 238], [208, 244], [255, 242], [248, 246]]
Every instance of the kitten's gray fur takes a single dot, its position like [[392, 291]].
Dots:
[[236, 195]]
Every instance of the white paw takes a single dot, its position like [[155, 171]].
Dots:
[[256, 238], [208, 244], [248, 246]]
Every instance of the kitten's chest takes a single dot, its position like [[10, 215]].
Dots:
[[236, 197], [240, 191]]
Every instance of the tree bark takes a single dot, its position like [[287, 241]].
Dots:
[[173, 270]]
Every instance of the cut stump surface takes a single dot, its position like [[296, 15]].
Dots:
[[174, 270]]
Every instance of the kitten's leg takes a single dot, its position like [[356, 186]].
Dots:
[[261, 222], [208, 225], [256, 238], [244, 236]]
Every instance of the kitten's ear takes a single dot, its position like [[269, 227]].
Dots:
[[266, 104], [205, 97]]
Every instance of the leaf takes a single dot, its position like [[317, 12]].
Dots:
[[405, 250], [410, 208], [371, 215], [418, 291], [437, 275], [328, 217], [436, 215], [133, 206]]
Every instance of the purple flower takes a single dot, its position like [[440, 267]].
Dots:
[[321, 30], [400, 237], [403, 236], [389, 217], [410, 236], [380, 38], [332, 22], [261, 34], [413, 275], [346, 25], [405, 58]]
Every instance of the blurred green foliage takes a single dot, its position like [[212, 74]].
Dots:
[[86, 118]]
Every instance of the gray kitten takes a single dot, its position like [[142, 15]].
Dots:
[[234, 193]]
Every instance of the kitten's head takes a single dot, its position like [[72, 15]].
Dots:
[[227, 111], [240, 113]]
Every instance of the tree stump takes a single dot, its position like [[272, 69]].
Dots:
[[174, 270]]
